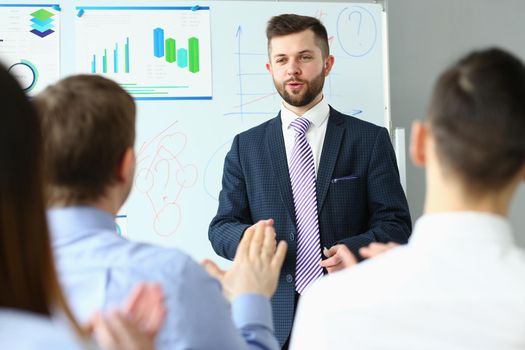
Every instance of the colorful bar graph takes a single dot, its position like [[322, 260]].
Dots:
[[117, 57], [182, 58], [167, 48], [193, 53], [158, 42], [171, 48]]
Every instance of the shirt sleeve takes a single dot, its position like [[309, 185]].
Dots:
[[199, 317]]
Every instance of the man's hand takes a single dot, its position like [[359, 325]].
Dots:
[[117, 332], [339, 257], [375, 249], [145, 306], [257, 263]]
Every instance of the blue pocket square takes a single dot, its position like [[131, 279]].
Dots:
[[345, 178]]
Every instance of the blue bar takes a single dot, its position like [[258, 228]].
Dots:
[[158, 42], [182, 58], [27, 5], [173, 98], [115, 59], [94, 65], [141, 8]]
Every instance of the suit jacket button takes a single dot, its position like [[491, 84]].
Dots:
[[292, 237], [289, 278]]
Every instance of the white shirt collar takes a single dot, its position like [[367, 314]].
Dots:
[[317, 115], [465, 229]]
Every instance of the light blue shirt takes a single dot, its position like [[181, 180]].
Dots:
[[22, 330], [98, 269]]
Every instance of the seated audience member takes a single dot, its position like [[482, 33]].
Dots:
[[33, 311], [88, 127], [459, 283]]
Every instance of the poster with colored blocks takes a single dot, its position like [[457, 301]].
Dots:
[[154, 53], [30, 44]]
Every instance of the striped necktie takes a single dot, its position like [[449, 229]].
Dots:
[[302, 177]]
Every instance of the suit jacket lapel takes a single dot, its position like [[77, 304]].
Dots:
[[329, 155], [277, 153]]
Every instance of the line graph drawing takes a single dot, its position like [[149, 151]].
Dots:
[[162, 177], [251, 101]]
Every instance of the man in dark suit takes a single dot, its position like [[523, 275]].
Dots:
[[325, 178]]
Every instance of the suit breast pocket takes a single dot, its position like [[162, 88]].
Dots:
[[347, 192], [346, 178]]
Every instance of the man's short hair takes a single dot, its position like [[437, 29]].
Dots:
[[477, 117], [286, 24], [88, 122]]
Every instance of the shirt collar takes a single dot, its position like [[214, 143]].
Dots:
[[74, 221], [317, 115], [461, 230]]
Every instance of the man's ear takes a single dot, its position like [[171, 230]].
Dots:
[[126, 166], [269, 67], [328, 64], [417, 143]]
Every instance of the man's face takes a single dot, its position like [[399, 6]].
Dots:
[[298, 69]]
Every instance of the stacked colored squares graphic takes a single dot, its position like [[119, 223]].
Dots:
[[42, 23]]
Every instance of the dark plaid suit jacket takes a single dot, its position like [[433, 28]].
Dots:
[[359, 196]]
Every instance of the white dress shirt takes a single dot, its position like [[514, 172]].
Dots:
[[458, 284], [318, 117]]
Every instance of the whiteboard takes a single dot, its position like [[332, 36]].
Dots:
[[181, 144]]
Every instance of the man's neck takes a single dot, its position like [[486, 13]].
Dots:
[[300, 110], [109, 203], [452, 196]]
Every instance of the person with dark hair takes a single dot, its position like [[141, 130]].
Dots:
[[88, 127], [327, 179], [459, 282], [33, 311]]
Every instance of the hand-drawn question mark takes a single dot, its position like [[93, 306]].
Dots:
[[360, 15], [354, 41]]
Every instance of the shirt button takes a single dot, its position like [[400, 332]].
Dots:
[[289, 278], [292, 237]]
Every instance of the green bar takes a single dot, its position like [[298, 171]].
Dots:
[[149, 93], [105, 62], [126, 56], [193, 53], [170, 47]]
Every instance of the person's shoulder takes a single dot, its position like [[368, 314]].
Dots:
[[354, 123], [151, 257], [259, 130], [25, 331]]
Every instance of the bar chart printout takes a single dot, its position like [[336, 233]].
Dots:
[[153, 53]]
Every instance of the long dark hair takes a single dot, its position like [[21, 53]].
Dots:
[[27, 271]]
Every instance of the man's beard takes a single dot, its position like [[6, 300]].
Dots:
[[303, 98]]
